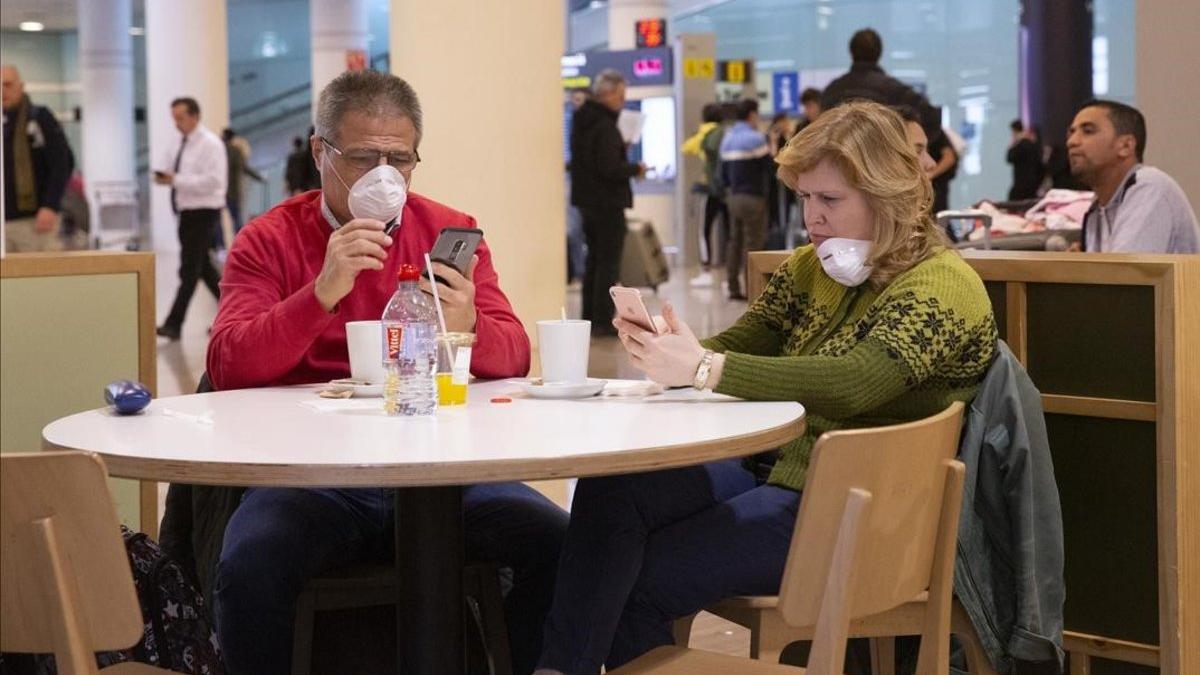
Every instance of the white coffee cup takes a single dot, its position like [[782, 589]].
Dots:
[[364, 340], [563, 349]]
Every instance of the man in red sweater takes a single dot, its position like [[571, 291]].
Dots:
[[293, 278]]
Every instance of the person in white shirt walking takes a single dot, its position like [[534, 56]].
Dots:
[[195, 168]]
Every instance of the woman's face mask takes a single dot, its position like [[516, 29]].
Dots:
[[379, 194], [845, 260]]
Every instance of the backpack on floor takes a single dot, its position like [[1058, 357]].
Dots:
[[178, 633]]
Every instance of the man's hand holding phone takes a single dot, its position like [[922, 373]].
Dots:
[[457, 295]]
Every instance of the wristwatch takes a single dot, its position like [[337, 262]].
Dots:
[[702, 369]]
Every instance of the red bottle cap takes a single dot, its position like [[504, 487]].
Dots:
[[409, 273]]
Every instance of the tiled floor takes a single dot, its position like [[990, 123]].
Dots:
[[706, 310]]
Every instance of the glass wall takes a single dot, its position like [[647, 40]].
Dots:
[[961, 53], [1113, 50]]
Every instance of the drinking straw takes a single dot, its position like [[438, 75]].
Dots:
[[437, 303]]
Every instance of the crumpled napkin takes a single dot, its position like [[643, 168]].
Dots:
[[336, 404], [631, 388]]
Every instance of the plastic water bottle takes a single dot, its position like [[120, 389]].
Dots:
[[409, 349]]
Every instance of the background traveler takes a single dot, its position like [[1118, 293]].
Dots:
[[1138, 207], [196, 169], [600, 175], [746, 164], [37, 165]]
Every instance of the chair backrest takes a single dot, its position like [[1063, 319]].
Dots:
[[67, 584], [877, 526]]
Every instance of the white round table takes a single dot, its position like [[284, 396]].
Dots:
[[278, 437]]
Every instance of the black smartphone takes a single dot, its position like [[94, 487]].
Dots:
[[454, 247]]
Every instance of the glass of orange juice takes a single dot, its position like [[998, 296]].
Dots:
[[453, 367]]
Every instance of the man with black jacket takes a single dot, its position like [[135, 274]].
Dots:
[[866, 80], [600, 173], [37, 165]]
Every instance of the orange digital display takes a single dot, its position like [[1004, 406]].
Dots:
[[651, 32]]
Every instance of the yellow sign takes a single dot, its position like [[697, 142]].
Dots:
[[699, 68], [735, 72], [580, 82]]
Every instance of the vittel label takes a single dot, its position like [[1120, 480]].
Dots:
[[394, 337]]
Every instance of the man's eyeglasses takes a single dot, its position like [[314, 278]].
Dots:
[[365, 160]]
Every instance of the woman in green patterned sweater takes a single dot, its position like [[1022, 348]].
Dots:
[[876, 322]]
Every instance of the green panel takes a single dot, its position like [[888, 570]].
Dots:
[[1110, 667], [61, 340], [998, 293], [1092, 340], [1106, 477]]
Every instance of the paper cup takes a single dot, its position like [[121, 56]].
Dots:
[[563, 349], [364, 340]]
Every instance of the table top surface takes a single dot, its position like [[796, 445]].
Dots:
[[273, 436]]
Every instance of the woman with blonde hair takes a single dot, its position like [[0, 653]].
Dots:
[[876, 322]]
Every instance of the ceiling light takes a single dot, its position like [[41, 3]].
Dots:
[[137, 31], [32, 26]]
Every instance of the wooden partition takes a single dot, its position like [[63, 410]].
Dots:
[[1111, 340], [70, 323]]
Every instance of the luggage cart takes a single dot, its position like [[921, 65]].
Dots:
[[117, 219], [958, 225]]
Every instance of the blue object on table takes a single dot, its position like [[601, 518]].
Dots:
[[127, 397]]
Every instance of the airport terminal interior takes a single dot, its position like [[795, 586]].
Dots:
[[561, 337]]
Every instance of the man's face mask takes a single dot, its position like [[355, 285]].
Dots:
[[379, 194], [844, 260]]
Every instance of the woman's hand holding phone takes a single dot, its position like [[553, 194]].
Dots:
[[670, 358]]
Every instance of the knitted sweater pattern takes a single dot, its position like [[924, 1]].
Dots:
[[859, 357]]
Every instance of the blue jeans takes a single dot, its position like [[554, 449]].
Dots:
[[279, 538], [643, 550]]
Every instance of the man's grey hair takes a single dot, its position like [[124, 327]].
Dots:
[[606, 81], [366, 91]]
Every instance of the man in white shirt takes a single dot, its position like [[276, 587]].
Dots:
[[195, 168], [1138, 208]]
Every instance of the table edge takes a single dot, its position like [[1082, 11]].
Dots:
[[435, 474]]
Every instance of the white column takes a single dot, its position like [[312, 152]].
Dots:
[[504, 168], [186, 55], [106, 76], [623, 16], [338, 27]]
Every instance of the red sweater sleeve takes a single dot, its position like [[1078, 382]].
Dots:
[[501, 344], [260, 334]]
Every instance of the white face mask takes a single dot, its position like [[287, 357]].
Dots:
[[844, 260], [380, 194]]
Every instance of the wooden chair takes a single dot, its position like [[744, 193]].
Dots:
[[876, 531], [67, 585]]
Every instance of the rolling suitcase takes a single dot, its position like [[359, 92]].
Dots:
[[642, 261]]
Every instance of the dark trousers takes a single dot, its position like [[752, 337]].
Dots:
[[645, 549], [196, 227], [279, 538], [604, 230], [713, 206], [747, 232], [235, 213]]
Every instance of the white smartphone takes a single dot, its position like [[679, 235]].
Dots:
[[630, 307]]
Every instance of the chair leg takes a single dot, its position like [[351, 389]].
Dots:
[[302, 639], [769, 637], [961, 626], [682, 630], [883, 656]]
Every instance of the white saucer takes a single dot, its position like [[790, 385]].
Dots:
[[360, 388], [535, 388]]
